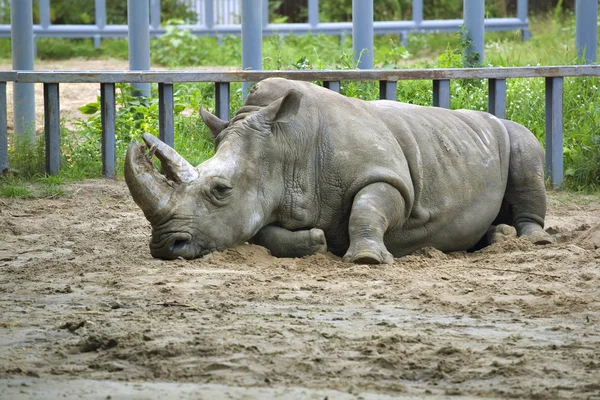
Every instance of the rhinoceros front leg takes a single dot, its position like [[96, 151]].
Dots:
[[376, 207], [284, 243]]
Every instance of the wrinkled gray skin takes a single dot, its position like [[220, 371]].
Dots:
[[301, 169]]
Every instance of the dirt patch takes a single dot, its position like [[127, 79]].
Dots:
[[83, 299]]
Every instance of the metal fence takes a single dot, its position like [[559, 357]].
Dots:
[[388, 81], [221, 17]]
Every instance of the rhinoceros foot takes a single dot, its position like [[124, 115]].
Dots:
[[535, 233], [541, 238], [373, 255], [318, 243], [501, 233]]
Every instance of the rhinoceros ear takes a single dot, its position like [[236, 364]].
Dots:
[[283, 109], [214, 123]]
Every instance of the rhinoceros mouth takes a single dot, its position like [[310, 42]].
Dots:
[[172, 245]]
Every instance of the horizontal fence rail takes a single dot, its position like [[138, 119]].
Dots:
[[388, 82]]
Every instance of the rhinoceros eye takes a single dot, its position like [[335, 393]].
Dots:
[[221, 190]]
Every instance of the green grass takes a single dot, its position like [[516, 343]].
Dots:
[[552, 44]]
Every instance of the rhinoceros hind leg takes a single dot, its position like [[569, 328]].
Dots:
[[526, 191], [284, 243], [375, 208]]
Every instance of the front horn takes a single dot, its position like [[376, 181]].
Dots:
[[149, 189], [176, 168]]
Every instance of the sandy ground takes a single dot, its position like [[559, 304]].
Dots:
[[85, 312], [81, 298]]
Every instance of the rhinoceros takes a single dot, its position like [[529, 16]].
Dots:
[[302, 169]]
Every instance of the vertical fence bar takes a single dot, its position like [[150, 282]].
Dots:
[[251, 38], [107, 115], [138, 19], [522, 14], [222, 99], [441, 93], [497, 97], [313, 13], [21, 29], [100, 15], [155, 14], [387, 90], [586, 15], [265, 13], [554, 131], [44, 6], [3, 131], [332, 85], [362, 32], [166, 126], [52, 127], [417, 12], [209, 13], [474, 13]]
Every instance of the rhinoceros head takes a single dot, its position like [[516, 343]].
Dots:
[[220, 203]]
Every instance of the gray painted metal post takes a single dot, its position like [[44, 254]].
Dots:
[[21, 20], [265, 15], [138, 19], [100, 15], [3, 131], [497, 97], [387, 90], [222, 99], [155, 14], [441, 93], [313, 13], [332, 85], [166, 125], [586, 15], [52, 128], [108, 117], [554, 131], [522, 14], [362, 33], [209, 13], [44, 13], [417, 12], [474, 13], [251, 38]]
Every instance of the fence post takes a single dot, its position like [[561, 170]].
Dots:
[[138, 20], [474, 23], [100, 16], [362, 32], [155, 14], [166, 124], [251, 38], [209, 13], [3, 131], [497, 97], [44, 13], [52, 128], [417, 12], [313, 13], [108, 118], [554, 131], [21, 21], [586, 16], [441, 93], [522, 14]]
